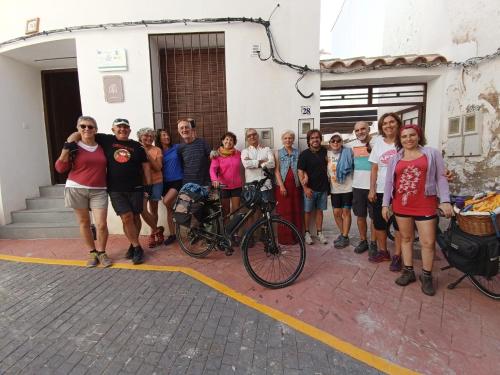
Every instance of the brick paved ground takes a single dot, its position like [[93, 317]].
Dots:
[[72, 320]]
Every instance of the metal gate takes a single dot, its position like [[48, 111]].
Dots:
[[189, 81]]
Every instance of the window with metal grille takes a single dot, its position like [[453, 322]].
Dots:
[[189, 81], [342, 107]]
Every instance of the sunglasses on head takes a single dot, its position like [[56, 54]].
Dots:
[[90, 127], [335, 141]]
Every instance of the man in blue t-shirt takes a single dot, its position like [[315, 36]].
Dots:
[[194, 154]]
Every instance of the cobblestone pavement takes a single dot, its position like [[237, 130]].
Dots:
[[73, 320]]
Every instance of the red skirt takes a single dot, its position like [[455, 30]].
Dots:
[[289, 207]]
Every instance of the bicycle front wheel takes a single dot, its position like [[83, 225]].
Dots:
[[274, 252], [195, 242]]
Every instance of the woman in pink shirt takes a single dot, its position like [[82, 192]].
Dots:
[[86, 188], [225, 169]]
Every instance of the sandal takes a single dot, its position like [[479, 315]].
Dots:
[[152, 241], [159, 235]]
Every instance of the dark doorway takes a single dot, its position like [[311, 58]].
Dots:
[[61, 98]]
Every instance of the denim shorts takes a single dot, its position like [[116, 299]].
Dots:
[[156, 192], [318, 201]]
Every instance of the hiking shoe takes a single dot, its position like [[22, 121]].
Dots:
[[362, 247], [130, 252], [104, 260], [138, 257], [308, 238], [170, 240], [381, 256], [372, 249], [92, 260], [322, 239], [406, 277], [396, 263], [343, 242], [427, 286]]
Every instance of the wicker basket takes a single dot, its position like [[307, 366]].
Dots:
[[478, 225]]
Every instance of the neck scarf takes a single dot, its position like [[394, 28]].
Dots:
[[226, 152]]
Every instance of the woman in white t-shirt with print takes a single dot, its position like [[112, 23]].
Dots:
[[340, 169], [383, 150]]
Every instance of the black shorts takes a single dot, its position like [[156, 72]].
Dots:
[[230, 193], [167, 185], [124, 202], [378, 221], [342, 200], [417, 218], [361, 206]]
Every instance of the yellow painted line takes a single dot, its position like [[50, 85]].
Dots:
[[342, 346]]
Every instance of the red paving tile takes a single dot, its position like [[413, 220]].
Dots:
[[455, 332]]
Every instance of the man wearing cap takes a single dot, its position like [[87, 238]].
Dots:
[[194, 154], [361, 148], [313, 176], [126, 164]]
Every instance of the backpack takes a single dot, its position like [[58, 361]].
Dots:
[[473, 255], [188, 208]]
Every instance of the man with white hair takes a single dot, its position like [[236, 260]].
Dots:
[[194, 154]]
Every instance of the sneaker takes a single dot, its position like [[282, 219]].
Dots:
[[343, 242], [308, 238], [130, 252], [92, 260], [170, 240], [381, 256], [372, 249], [362, 247], [138, 257], [406, 277], [339, 237], [427, 286], [322, 239], [104, 260], [396, 263]]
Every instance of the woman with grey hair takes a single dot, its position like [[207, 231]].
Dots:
[[154, 191], [86, 188], [288, 191]]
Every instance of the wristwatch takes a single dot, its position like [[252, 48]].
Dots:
[[69, 145]]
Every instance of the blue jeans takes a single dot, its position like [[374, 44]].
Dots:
[[317, 202]]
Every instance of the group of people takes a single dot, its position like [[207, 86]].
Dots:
[[368, 175]]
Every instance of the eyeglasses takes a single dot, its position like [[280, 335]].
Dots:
[[335, 141], [90, 127], [251, 135]]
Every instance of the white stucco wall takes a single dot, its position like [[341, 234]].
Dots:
[[458, 31], [259, 94], [24, 163]]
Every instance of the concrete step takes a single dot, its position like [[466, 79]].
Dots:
[[40, 203], [52, 191], [16, 231], [48, 215]]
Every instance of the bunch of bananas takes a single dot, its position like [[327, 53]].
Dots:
[[489, 203]]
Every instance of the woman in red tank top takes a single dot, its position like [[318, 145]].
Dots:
[[416, 170]]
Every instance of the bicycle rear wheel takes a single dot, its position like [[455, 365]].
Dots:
[[274, 253], [489, 286], [196, 242]]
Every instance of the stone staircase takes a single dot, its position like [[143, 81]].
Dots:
[[44, 217]]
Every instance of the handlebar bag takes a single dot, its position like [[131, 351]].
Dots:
[[474, 255]]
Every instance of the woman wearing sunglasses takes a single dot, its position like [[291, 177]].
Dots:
[[86, 188]]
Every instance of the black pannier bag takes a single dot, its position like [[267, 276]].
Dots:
[[473, 255], [188, 208]]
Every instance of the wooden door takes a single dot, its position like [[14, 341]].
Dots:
[[61, 97]]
